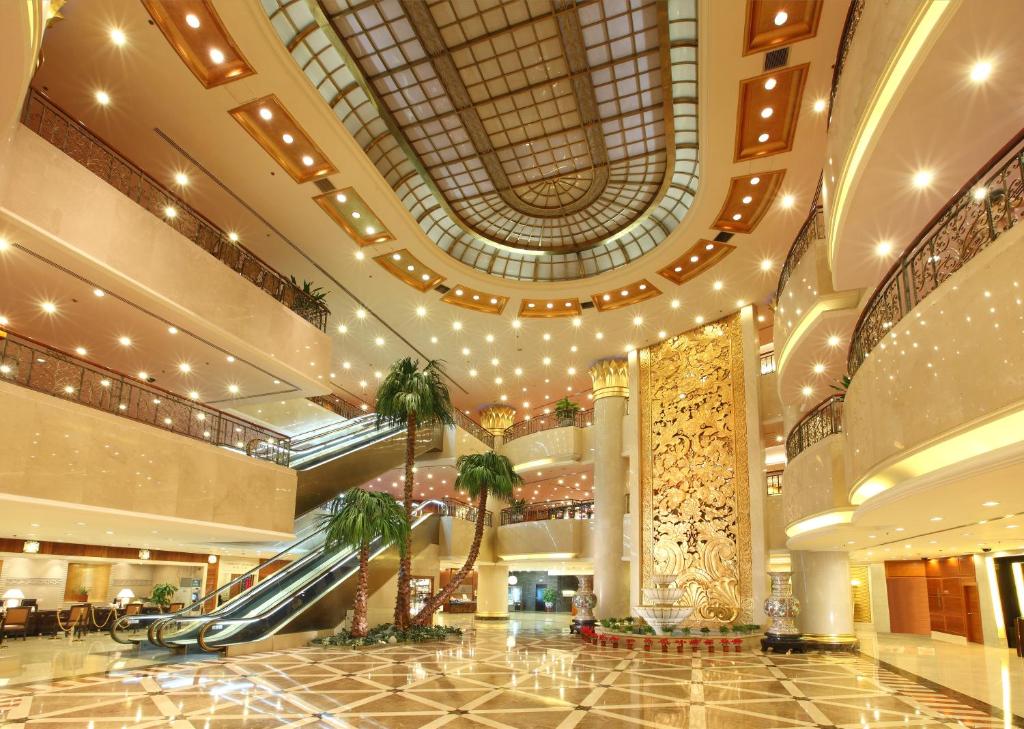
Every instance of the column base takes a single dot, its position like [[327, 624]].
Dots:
[[783, 643], [839, 642], [575, 625]]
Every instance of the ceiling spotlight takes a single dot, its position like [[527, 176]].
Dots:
[[699, 319], [762, 138], [546, 360], [819, 368], [288, 139], [675, 303], [360, 313], [516, 323], [143, 375], [819, 106], [360, 255], [421, 311], [662, 334], [307, 160], [192, 20], [49, 307], [737, 216], [180, 178], [379, 341], [233, 236], [185, 367], [787, 202], [833, 341], [217, 55], [370, 230], [266, 114], [806, 391], [923, 178], [457, 325], [767, 112], [770, 84], [102, 98], [124, 341], [883, 248], [755, 180], [767, 264], [781, 17], [81, 351], [747, 199], [170, 212], [717, 285], [980, 71], [117, 37], [233, 389], [342, 329], [638, 320]]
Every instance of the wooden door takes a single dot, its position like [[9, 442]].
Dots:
[[972, 606]]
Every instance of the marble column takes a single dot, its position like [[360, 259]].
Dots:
[[611, 573], [495, 419], [492, 591], [821, 581]]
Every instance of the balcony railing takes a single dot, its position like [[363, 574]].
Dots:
[[52, 124], [338, 406], [547, 510], [767, 361], [812, 230], [28, 363], [582, 419], [773, 479], [849, 29], [986, 207], [825, 420], [474, 428], [457, 509]]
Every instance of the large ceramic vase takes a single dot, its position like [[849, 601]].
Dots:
[[782, 607], [584, 601]]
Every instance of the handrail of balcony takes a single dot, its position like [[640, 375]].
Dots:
[[474, 428], [824, 420], [39, 367], [767, 362], [983, 209], [337, 405], [845, 39], [812, 230], [547, 510], [458, 509], [55, 126], [582, 419]]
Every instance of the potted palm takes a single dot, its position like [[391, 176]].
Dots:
[[316, 293], [414, 397], [549, 596], [565, 411], [478, 474], [357, 518], [517, 507], [162, 593]]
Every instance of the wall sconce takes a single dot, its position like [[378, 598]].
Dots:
[[31, 547], [143, 554]]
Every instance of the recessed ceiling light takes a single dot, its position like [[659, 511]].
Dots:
[[936, 518], [308, 161], [124, 341], [370, 230], [193, 395], [180, 178], [762, 138], [755, 180], [288, 139], [747, 199], [516, 323], [472, 373], [117, 37], [717, 285], [217, 55], [192, 20], [638, 320], [49, 307], [923, 178], [102, 98], [577, 322], [143, 375], [980, 71], [883, 248], [185, 367], [819, 105], [699, 319], [456, 325], [767, 264], [781, 17], [342, 329], [787, 201], [233, 389], [737, 216], [80, 351], [266, 114], [379, 341], [231, 358], [990, 503], [767, 112], [233, 236], [819, 368], [770, 84], [360, 313], [421, 311], [465, 351], [806, 390], [170, 212], [546, 360], [833, 341], [674, 303]]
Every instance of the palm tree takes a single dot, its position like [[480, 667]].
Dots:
[[415, 397], [479, 474], [358, 518]]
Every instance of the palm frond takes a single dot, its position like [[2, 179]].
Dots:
[[488, 471], [358, 517], [409, 390]]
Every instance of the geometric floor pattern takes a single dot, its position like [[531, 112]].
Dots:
[[499, 679]]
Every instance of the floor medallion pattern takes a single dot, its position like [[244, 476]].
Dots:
[[495, 677]]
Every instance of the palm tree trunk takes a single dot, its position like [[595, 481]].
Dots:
[[359, 626], [424, 616], [404, 565]]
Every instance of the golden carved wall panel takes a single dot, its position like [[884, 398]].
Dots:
[[694, 488]]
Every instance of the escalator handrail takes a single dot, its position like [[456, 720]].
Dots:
[[210, 620], [326, 430], [331, 452]]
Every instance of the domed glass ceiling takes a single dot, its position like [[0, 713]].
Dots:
[[531, 140]]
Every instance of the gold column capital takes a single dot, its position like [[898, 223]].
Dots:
[[610, 378], [496, 418]]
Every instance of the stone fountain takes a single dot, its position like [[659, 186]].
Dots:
[[660, 610]]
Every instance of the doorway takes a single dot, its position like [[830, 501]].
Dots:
[[538, 604], [972, 606]]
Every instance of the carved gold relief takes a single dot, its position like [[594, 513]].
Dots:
[[693, 475]]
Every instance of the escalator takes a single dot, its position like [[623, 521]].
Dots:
[[314, 590]]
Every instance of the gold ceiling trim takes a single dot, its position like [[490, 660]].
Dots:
[[701, 256]]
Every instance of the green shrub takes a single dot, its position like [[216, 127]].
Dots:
[[386, 633]]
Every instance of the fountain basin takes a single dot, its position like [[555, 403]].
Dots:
[[663, 619], [662, 595]]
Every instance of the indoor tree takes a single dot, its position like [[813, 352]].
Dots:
[[357, 518], [479, 475], [414, 397]]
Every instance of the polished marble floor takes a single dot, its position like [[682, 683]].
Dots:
[[518, 674]]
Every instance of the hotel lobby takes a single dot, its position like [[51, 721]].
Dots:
[[511, 363]]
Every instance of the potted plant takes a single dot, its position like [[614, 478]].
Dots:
[[317, 293], [842, 386], [517, 507], [162, 593], [83, 594], [705, 630], [565, 411], [549, 596]]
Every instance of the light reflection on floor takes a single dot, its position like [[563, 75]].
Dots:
[[524, 673]]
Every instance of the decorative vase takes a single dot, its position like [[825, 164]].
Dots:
[[584, 601], [782, 607]]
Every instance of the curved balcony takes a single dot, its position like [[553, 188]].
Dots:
[[545, 510], [987, 206], [582, 419], [812, 230], [824, 420], [84, 147]]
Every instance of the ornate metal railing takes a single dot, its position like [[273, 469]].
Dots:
[[773, 480], [457, 509], [986, 207], [812, 230], [767, 362], [546, 510], [474, 428], [51, 123], [826, 419], [338, 406], [582, 419], [26, 362], [849, 29]]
